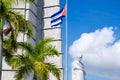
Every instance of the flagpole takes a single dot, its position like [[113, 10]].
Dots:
[[66, 41]]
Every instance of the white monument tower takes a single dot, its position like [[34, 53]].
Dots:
[[77, 69]]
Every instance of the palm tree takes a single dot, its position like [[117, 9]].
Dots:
[[4, 8], [34, 59], [16, 23]]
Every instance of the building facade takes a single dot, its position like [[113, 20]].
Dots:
[[39, 14]]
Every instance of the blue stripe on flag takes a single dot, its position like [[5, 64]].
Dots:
[[54, 20], [58, 23], [57, 13]]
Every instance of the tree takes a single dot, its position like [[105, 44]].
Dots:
[[16, 23], [34, 59]]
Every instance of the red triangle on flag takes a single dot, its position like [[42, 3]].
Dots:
[[64, 11]]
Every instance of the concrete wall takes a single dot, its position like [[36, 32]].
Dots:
[[49, 8]]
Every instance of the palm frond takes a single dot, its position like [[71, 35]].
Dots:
[[29, 29], [54, 70], [6, 42], [9, 2], [49, 51], [3, 8], [18, 23], [1, 24], [23, 64], [7, 55], [22, 71], [26, 46], [21, 60], [13, 39], [7, 50], [13, 22], [15, 61], [21, 20], [24, 25], [42, 44], [30, 1], [7, 47], [42, 70]]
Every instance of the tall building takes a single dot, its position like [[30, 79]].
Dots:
[[39, 14]]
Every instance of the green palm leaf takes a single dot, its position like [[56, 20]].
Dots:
[[53, 68], [48, 51], [41, 69], [26, 45], [21, 72], [15, 61], [42, 44], [30, 1]]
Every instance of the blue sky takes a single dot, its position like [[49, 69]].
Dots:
[[87, 16]]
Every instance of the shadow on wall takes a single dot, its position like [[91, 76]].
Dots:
[[36, 14], [40, 23]]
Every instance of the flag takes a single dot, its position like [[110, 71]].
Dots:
[[56, 19]]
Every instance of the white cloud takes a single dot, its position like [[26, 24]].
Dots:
[[101, 53]]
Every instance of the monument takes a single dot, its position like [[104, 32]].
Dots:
[[78, 69]]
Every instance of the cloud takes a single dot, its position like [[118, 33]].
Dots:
[[101, 52]]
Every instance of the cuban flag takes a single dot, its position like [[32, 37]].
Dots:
[[56, 19]]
